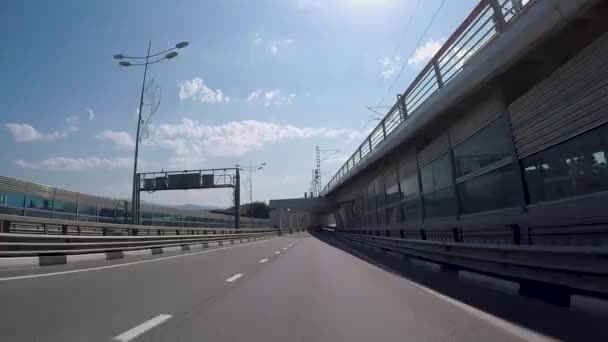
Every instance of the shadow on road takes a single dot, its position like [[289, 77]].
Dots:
[[546, 318]]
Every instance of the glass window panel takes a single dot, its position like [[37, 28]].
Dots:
[[393, 211], [475, 195], [371, 198], [436, 174], [65, 207], [489, 145], [380, 200], [392, 188], [409, 185], [107, 212], [572, 168], [412, 208], [11, 199], [440, 203], [84, 209], [39, 203]]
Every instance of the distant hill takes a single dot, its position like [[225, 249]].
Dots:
[[187, 207], [194, 207]]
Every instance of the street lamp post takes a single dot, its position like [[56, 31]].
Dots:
[[127, 61], [251, 169]]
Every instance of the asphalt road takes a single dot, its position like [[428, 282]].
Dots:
[[294, 288]]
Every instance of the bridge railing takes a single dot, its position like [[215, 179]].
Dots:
[[486, 22]]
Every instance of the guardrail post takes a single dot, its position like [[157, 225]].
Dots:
[[6, 226], [422, 234], [369, 142], [383, 129], [79, 229], [45, 227], [402, 107], [438, 73], [520, 234], [105, 231], [64, 229], [456, 235], [516, 234], [499, 18]]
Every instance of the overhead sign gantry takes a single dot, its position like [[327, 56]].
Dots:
[[189, 180]]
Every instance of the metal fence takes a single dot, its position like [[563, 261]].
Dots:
[[18, 197], [486, 22]]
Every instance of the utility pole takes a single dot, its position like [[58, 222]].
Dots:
[[327, 154], [251, 169], [251, 193], [318, 176], [129, 61]]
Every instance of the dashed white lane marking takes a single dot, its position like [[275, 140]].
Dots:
[[39, 275], [277, 253], [234, 277], [284, 248], [263, 261], [142, 328]]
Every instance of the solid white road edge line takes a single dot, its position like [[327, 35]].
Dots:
[[516, 330], [126, 263], [142, 328], [263, 261], [521, 332], [234, 277]]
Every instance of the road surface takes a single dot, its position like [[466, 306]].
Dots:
[[293, 288]]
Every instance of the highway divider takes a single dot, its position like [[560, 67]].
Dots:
[[33, 241], [19, 252], [38, 225]]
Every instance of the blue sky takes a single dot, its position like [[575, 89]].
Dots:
[[263, 80]]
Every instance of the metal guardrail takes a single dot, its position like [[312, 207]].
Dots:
[[22, 236], [486, 22], [35, 225], [578, 267], [19, 245]]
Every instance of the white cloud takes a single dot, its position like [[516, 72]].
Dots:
[[71, 123], [27, 133], [91, 114], [120, 140], [272, 97], [425, 52], [389, 66], [196, 88], [272, 45], [192, 139], [275, 45], [76, 164], [342, 5], [23, 132], [257, 40]]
